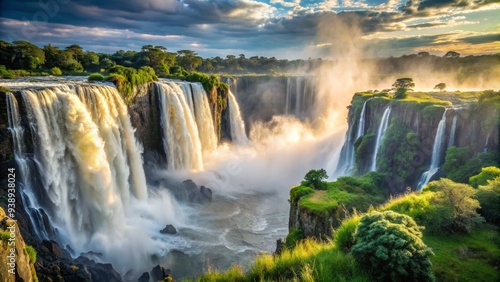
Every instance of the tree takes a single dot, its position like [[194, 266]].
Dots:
[[26, 55], [441, 86], [423, 54], [389, 245], [489, 198], [402, 85], [452, 54], [188, 59], [315, 179], [106, 63], [459, 204]]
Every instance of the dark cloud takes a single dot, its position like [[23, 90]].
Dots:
[[427, 7], [427, 25], [479, 39]]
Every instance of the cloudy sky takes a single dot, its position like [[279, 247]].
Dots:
[[280, 28]]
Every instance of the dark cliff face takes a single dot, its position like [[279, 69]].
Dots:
[[144, 111], [406, 147]]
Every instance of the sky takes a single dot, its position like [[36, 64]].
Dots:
[[285, 29]]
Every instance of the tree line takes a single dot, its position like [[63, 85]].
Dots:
[[23, 55]]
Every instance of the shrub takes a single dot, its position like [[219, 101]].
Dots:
[[460, 163], [315, 179], [31, 252], [390, 247], [55, 71], [293, 237], [487, 173], [489, 198], [458, 203], [95, 77], [344, 235], [4, 235]]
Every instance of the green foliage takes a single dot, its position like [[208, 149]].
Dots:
[[364, 149], [402, 86], [315, 179], [458, 203], [298, 192], [31, 252], [489, 199], [4, 235], [95, 77], [390, 247], [344, 235], [126, 79], [5, 89], [487, 173], [209, 82], [348, 193], [399, 147], [460, 163], [294, 236], [55, 71], [441, 86], [416, 205]]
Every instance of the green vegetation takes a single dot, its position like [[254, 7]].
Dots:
[[486, 174], [459, 205], [402, 86], [293, 237], [460, 163], [315, 179], [344, 236], [390, 247], [489, 199], [127, 79], [474, 257], [347, 192], [55, 71], [31, 252], [399, 147], [4, 235], [5, 89], [95, 77], [441, 86]]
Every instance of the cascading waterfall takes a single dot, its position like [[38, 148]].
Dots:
[[436, 152], [204, 118], [451, 141], [86, 155], [288, 101], [298, 97], [181, 140], [347, 158], [380, 133], [238, 134]]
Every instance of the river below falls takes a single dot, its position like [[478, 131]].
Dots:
[[232, 229]]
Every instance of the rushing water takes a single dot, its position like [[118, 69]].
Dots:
[[437, 149], [384, 122]]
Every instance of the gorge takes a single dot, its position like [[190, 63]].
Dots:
[[98, 175]]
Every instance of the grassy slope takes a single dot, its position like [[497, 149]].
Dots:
[[466, 257]]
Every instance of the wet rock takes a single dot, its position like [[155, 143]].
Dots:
[[55, 250], [159, 273], [279, 246], [206, 192], [169, 229], [144, 277]]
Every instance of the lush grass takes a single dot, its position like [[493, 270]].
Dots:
[[293, 237], [308, 261], [471, 257], [353, 193]]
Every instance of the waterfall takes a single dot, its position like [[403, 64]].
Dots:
[[361, 125], [181, 140], [87, 164], [486, 143], [298, 94], [204, 119], [238, 134], [288, 101], [347, 155], [380, 133], [436, 152], [451, 141]]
